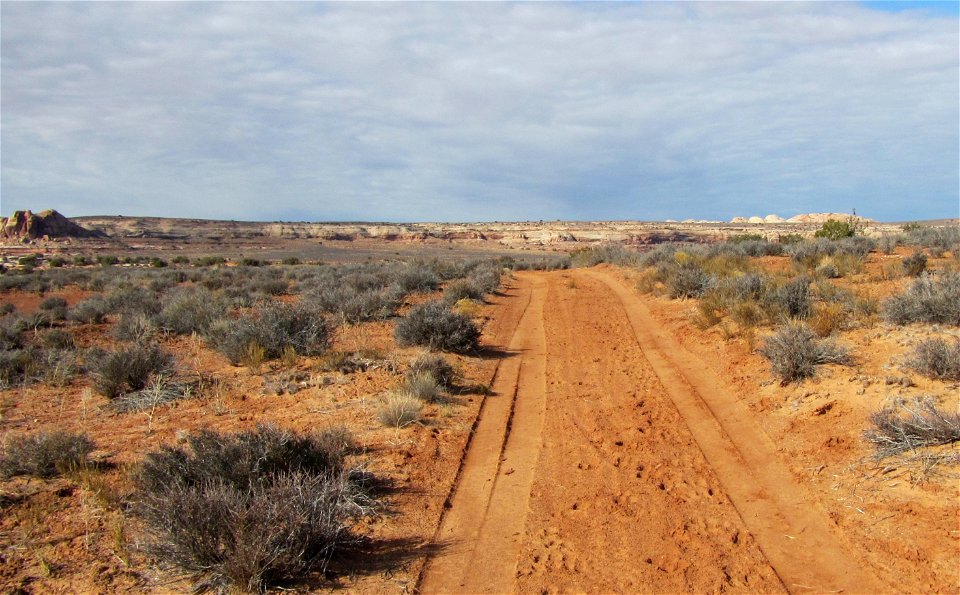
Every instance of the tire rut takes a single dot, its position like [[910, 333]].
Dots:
[[787, 522], [481, 531]]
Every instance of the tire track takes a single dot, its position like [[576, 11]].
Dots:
[[787, 522], [481, 530]]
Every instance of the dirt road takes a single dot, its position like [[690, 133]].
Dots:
[[608, 460]]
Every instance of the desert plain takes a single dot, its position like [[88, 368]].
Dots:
[[620, 423]]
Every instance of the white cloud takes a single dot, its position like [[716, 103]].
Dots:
[[478, 111]]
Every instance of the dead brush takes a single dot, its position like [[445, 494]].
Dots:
[[827, 318], [910, 425]]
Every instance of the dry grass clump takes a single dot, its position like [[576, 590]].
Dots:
[[795, 351], [909, 425], [423, 386], [400, 410], [248, 510], [44, 454], [827, 318], [428, 363], [936, 358]]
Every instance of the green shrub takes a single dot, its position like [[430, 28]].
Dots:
[[434, 325], [835, 230], [44, 454]]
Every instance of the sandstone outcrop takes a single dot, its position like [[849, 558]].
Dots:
[[26, 225]]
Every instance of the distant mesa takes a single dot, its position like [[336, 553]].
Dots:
[[816, 218], [26, 225]]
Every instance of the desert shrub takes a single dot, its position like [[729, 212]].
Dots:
[[92, 310], [931, 299], [662, 254], [53, 303], [16, 366], [273, 326], [417, 279], [762, 248], [888, 243], [711, 308], [11, 329], [58, 366], [190, 310], [909, 425], [940, 238], [251, 509], [358, 305], [58, 339], [134, 326], [7, 308], [611, 253], [130, 369], [423, 386], [689, 281], [251, 262], [44, 454], [936, 358], [461, 289], [269, 286], [208, 261], [434, 325], [740, 238], [915, 264], [377, 304], [747, 314], [485, 278], [835, 230], [827, 269], [427, 363], [134, 299], [794, 351], [791, 300], [400, 410]]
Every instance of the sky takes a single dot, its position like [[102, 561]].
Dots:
[[480, 111]]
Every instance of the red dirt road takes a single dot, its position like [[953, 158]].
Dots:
[[608, 460]]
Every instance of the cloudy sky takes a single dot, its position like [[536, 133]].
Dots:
[[481, 111]]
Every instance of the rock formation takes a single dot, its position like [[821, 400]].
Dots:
[[26, 225]]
